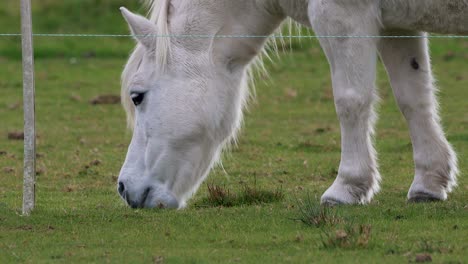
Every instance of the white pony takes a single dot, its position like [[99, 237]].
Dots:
[[184, 95]]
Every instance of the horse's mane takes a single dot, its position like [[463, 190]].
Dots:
[[158, 14]]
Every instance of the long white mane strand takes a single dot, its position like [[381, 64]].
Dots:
[[158, 14]]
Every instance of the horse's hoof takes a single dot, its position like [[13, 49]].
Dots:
[[421, 197], [339, 194], [330, 202]]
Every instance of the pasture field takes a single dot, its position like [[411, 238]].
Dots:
[[250, 212]]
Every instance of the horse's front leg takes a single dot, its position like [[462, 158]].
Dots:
[[353, 66], [408, 65]]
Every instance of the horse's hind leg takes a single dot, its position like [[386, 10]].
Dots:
[[408, 65], [353, 66]]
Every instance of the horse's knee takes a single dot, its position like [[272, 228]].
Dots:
[[352, 104], [328, 16]]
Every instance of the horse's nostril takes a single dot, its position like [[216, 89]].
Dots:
[[121, 188]]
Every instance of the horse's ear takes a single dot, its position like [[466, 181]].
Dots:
[[141, 28]]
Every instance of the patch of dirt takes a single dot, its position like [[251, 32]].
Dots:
[[89, 54], [114, 178], [322, 130], [106, 99], [75, 98], [327, 94], [423, 257], [92, 164], [14, 106], [290, 93], [450, 55], [8, 170], [95, 163], [40, 172], [25, 227], [88, 169], [299, 238], [70, 188], [158, 259], [341, 234], [17, 135]]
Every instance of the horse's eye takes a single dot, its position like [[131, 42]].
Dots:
[[137, 98]]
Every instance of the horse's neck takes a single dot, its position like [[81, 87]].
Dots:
[[228, 17], [245, 18]]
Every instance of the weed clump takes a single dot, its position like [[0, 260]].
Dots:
[[427, 246], [219, 196], [312, 213], [253, 195], [350, 237], [337, 232], [222, 196]]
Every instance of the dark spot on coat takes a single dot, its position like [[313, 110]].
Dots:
[[414, 64]]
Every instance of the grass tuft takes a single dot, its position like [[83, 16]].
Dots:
[[349, 237], [253, 195], [338, 232], [249, 195], [312, 213], [219, 196], [427, 246]]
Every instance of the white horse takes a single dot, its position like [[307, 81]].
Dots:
[[184, 95]]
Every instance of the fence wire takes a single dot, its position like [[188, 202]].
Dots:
[[59, 35]]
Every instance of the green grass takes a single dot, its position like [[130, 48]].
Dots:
[[71, 16], [288, 152]]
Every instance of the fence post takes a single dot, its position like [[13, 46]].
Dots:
[[29, 183]]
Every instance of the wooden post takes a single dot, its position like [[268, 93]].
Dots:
[[29, 109]]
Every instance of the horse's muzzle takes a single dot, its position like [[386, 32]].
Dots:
[[150, 197]]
